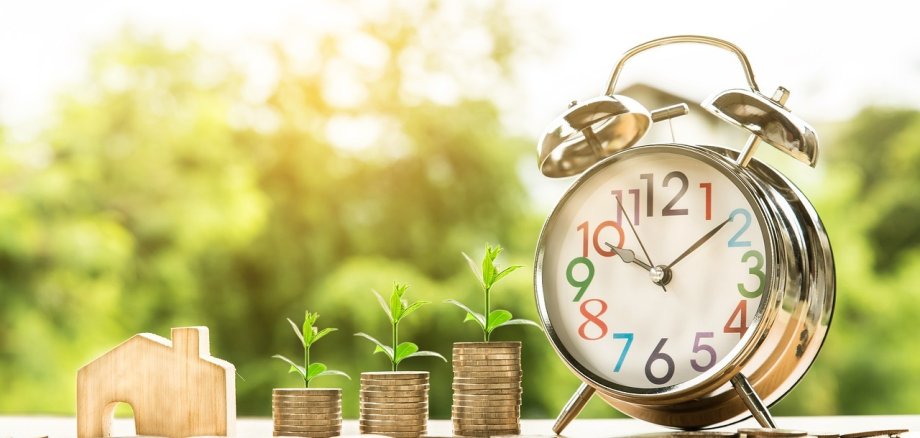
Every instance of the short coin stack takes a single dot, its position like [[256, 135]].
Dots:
[[394, 403], [307, 412], [487, 388]]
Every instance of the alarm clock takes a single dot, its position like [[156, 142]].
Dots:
[[690, 286]]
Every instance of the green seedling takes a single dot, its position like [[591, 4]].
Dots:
[[487, 276], [396, 310], [308, 337]]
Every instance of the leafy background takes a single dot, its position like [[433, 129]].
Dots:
[[167, 192]]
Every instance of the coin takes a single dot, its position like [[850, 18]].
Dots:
[[485, 365], [393, 375], [766, 432], [494, 428], [476, 398], [503, 359], [394, 388], [294, 418], [306, 428], [488, 391], [390, 400], [385, 429], [489, 412], [875, 433], [418, 404], [516, 344], [421, 395], [311, 391], [305, 398], [312, 410], [485, 383], [476, 372], [312, 434], [390, 416]]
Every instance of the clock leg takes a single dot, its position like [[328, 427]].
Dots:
[[573, 407], [752, 401]]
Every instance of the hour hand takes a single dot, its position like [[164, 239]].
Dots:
[[628, 256]]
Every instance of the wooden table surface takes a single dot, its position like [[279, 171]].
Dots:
[[62, 427]]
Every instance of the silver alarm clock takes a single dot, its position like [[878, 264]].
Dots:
[[689, 286]]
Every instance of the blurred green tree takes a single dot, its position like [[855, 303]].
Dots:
[[167, 192]]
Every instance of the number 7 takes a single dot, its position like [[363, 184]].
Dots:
[[629, 339]]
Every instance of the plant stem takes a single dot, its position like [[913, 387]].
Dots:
[[485, 331], [306, 366], [395, 343]]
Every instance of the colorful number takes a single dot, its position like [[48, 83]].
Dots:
[[597, 243], [699, 347], [657, 355], [734, 242], [707, 187], [757, 271], [593, 319], [582, 285], [669, 209], [650, 195], [740, 314], [618, 202], [629, 338]]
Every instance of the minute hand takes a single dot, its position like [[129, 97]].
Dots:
[[699, 242]]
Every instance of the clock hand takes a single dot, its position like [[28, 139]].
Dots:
[[699, 242], [641, 245], [628, 256]]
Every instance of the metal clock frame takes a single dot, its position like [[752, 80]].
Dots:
[[788, 328]]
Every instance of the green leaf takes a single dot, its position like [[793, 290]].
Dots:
[[488, 265], [507, 271], [427, 354], [520, 322], [476, 271], [497, 318], [412, 308], [333, 373], [470, 314], [294, 367], [383, 304], [309, 321], [311, 318], [315, 369], [380, 347], [322, 333], [303, 342], [404, 350], [396, 303]]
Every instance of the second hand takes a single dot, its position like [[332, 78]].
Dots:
[[641, 245]]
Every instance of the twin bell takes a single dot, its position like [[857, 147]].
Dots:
[[596, 128]]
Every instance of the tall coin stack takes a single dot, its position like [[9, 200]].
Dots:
[[309, 412], [394, 403], [487, 388]]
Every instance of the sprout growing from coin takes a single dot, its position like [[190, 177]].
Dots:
[[396, 309], [308, 337], [488, 276]]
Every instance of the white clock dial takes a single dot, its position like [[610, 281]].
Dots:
[[635, 327]]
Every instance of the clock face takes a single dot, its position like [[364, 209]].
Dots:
[[674, 297]]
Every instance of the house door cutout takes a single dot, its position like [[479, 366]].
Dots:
[[124, 421]]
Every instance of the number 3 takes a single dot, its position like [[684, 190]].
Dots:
[[757, 271]]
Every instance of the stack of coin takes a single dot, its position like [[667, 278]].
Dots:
[[394, 404], [487, 388], [307, 412], [313, 412]]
